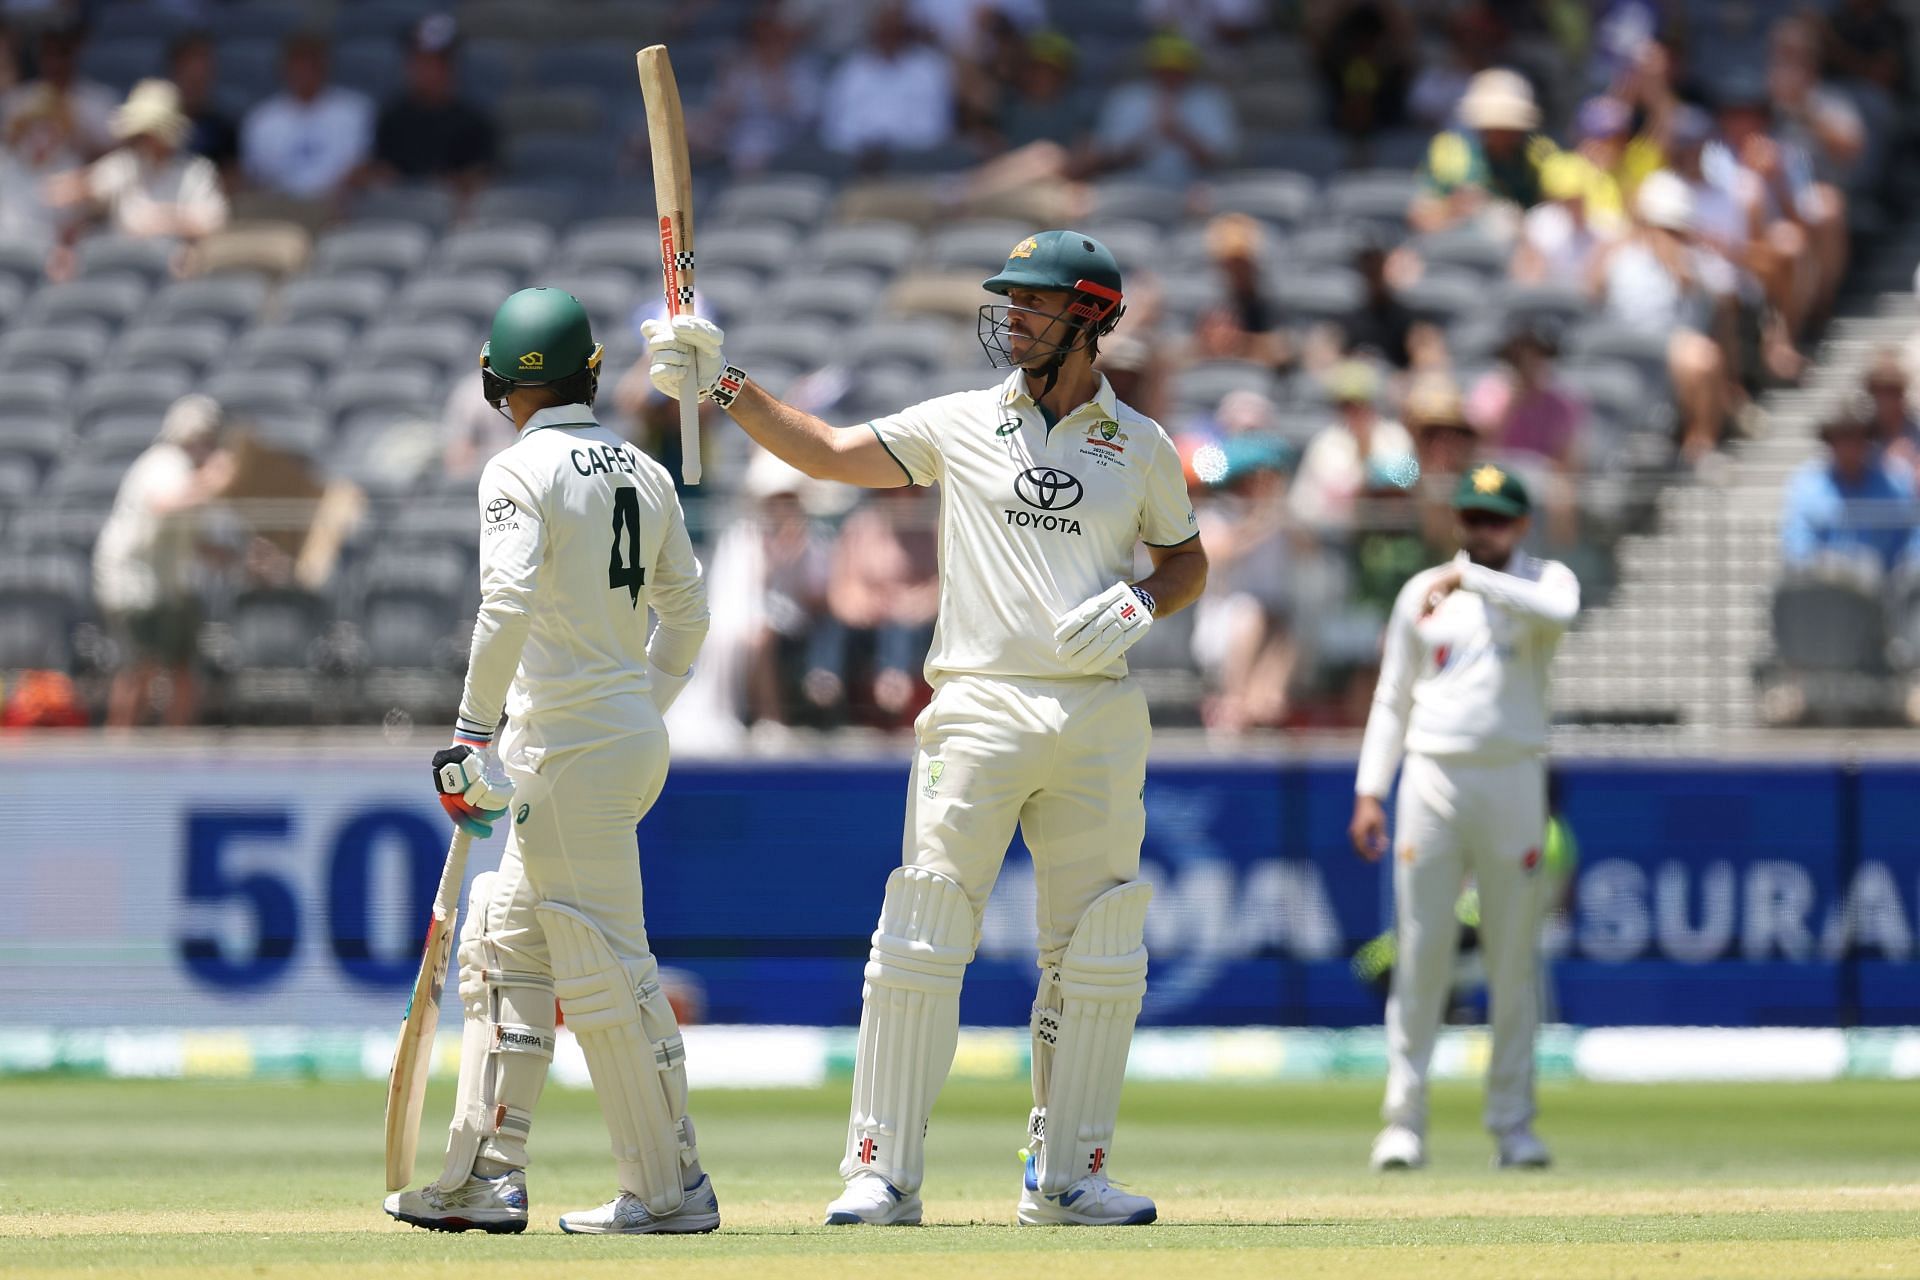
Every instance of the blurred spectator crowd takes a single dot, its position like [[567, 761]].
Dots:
[[247, 251]]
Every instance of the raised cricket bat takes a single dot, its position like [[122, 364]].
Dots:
[[413, 1053], [673, 202]]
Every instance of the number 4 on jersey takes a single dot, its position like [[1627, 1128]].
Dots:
[[629, 573]]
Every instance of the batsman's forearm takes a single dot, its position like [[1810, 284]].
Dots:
[[1176, 581], [499, 634], [798, 439]]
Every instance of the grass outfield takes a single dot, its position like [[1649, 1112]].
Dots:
[[207, 1180]]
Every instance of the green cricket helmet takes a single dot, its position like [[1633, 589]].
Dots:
[[541, 337], [1054, 260]]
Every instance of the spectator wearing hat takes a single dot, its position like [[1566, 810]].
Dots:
[[143, 561], [429, 131], [193, 67], [1046, 104], [149, 186], [1335, 466], [893, 94], [309, 140], [1495, 159], [764, 101], [1245, 325], [1652, 280], [1894, 424], [1365, 55], [1445, 444], [1849, 505], [1171, 128]]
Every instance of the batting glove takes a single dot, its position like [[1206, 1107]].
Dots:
[[685, 347], [1093, 634], [474, 800]]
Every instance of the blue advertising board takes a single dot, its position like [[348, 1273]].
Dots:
[[215, 891]]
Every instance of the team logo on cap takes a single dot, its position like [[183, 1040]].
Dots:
[[533, 360], [1025, 248], [1488, 479]]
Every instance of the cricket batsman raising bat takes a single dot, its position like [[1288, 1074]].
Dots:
[[579, 536], [1048, 484]]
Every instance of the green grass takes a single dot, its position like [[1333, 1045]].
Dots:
[[207, 1180]]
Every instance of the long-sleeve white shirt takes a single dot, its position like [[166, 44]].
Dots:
[[1471, 679], [580, 534]]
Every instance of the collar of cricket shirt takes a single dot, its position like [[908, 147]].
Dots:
[[1013, 392], [561, 415]]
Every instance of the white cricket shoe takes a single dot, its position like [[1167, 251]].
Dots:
[[1090, 1202], [626, 1215], [870, 1200], [1398, 1147], [1519, 1148], [494, 1205]]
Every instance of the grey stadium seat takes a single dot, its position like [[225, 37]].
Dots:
[[231, 300], [19, 477], [1333, 245], [372, 66], [150, 391], [822, 298], [1440, 296], [37, 624], [1138, 247], [353, 299], [85, 481], [629, 243], [443, 348], [105, 255], [551, 204], [1465, 249], [1137, 199], [518, 249], [192, 345], [311, 346], [249, 393], [729, 297], [76, 347], [109, 300], [1605, 339], [1201, 387], [534, 156], [41, 392], [298, 429], [609, 295], [1823, 625], [802, 347], [1563, 304], [799, 200], [1272, 195], [119, 438], [919, 345], [32, 438], [354, 390], [1328, 293], [279, 646], [1375, 195], [393, 249], [768, 249], [471, 297], [424, 206], [875, 248], [981, 245]]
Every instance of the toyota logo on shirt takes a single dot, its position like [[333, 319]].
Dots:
[[1047, 489]]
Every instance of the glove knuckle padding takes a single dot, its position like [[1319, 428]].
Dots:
[[909, 1023], [1082, 1029], [506, 1045], [632, 1045]]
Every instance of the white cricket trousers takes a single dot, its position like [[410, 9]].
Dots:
[[572, 842], [1064, 760], [1456, 819]]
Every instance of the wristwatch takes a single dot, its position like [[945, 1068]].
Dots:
[[1145, 597]]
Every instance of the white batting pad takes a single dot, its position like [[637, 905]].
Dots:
[[506, 1044], [1082, 1029], [909, 1023], [632, 1045]]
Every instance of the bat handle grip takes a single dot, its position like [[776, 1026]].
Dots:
[[690, 436]]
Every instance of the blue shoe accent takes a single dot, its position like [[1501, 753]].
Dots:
[[1066, 1198], [842, 1220], [897, 1194], [1032, 1178], [1141, 1218]]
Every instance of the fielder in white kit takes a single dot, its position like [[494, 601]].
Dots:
[[1048, 485], [1463, 692], [580, 534]]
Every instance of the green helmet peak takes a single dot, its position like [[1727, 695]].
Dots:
[[539, 336]]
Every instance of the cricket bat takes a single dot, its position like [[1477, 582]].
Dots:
[[673, 203], [413, 1053]]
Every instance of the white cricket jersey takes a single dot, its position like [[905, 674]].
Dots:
[[579, 534], [1033, 521], [1471, 679]]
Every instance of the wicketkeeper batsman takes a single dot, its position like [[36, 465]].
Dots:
[[579, 535], [1048, 484]]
